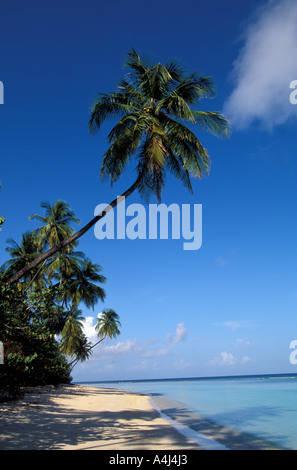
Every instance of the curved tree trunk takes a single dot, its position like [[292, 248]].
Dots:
[[75, 236], [75, 360]]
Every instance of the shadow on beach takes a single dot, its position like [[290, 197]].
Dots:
[[39, 423]]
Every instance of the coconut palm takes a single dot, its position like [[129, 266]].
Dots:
[[153, 103], [65, 264], [72, 333], [57, 319], [21, 254], [81, 284], [108, 324], [56, 223], [74, 343]]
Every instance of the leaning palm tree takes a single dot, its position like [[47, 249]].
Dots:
[[108, 324], [154, 103], [74, 343]]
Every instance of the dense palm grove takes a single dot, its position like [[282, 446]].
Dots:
[[40, 322], [46, 278]]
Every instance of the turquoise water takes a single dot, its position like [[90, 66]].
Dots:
[[265, 406]]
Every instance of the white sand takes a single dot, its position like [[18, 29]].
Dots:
[[79, 417], [74, 417]]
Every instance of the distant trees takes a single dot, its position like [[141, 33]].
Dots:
[[74, 343], [41, 325]]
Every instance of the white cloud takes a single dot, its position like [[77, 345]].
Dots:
[[228, 359], [180, 334], [121, 347], [225, 359], [265, 68], [145, 349], [89, 329]]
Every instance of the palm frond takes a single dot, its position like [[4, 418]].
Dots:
[[213, 122], [152, 102]]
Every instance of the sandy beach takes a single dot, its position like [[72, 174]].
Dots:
[[76, 417]]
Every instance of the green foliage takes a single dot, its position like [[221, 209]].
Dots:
[[153, 103], [37, 362], [108, 324], [31, 353], [44, 305], [55, 223]]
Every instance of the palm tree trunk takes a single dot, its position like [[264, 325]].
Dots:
[[35, 275], [91, 347], [75, 360], [75, 236]]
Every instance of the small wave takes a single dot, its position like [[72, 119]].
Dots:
[[205, 442]]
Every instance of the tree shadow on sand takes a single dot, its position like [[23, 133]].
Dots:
[[47, 425]]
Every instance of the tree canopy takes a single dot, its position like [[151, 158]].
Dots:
[[41, 325]]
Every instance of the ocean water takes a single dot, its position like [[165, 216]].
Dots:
[[264, 406]]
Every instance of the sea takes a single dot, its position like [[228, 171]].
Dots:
[[264, 406]]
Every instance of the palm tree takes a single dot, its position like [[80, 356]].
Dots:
[[55, 223], [74, 342], [21, 254], [108, 325], [153, 103], [81, 284], [65, 264], [57, 319]]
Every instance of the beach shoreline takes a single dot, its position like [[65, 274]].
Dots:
[[79, 417]]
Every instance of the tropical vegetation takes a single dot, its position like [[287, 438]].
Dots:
[[153, 103], [46, 277], [41, 325]]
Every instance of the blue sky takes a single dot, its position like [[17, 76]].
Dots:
[[229, 307]]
